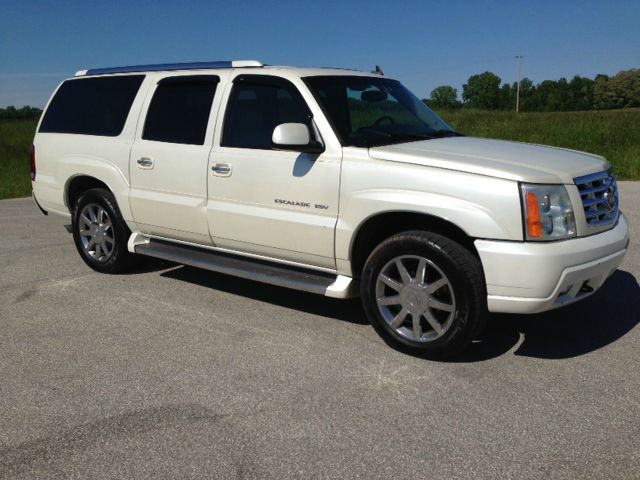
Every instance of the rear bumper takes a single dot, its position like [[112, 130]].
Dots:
[[526, 277], [35, 200]]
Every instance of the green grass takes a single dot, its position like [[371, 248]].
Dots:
[[615, 134], [16, 137]]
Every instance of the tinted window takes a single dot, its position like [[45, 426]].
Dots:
[[369, 111], [92, 106], [179, 110], [257, 105]]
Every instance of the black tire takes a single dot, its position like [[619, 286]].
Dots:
[[119, 258], [465, 290]]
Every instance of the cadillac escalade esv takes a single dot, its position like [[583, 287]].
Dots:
[[331, 181]]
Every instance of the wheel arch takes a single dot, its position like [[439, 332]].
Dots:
[[380, 226], [78, 184]]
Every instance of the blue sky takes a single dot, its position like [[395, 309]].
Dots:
[[423, 43]]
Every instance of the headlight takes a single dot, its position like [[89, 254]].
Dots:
[[548, 214]]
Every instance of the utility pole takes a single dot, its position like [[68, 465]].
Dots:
[[519, 58]]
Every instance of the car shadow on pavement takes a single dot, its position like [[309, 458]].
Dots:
[[344, 310], [575, 330], [563, 333], [149, 265]]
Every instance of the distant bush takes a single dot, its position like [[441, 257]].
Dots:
[[24, 113]]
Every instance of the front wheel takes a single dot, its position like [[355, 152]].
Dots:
[[424, 293]]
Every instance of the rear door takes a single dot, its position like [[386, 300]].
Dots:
[[264, 201], [168, 161]]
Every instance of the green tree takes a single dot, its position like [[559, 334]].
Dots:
[[552, 96], [444, 97], [620, 91], [581, 93], [482, 91], [527, 95], [507, 97]]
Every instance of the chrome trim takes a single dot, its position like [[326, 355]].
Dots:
[[158, 67], [599, 190], [245, 254]]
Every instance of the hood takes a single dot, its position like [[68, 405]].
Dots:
[[496, 158]]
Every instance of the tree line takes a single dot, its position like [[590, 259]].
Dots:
[[486, 91], [24, 113]]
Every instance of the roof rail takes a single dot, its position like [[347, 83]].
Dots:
[[158, 67]]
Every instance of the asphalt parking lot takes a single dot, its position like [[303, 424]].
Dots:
[[169, 371]]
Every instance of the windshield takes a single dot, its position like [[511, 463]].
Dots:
[[373, 111]]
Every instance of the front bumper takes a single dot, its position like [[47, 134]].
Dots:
[[527, 277]]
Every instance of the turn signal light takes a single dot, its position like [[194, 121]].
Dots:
[[534, 225]]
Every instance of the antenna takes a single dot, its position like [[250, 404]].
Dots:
[[378, 71]]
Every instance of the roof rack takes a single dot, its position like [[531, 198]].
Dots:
[[170, 66]]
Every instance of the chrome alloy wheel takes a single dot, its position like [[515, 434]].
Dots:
[[415, 298], [96, 232]]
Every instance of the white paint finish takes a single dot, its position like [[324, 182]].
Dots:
[[136, 239], [171, 195], [245, 209], [469, 182], [530, 269], [343, 287], [62, 157], [291, 134], [483, 207], [170, 198], [496, 158], [245, 63], [595, 273]]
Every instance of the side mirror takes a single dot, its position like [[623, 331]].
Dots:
[[295, 136]]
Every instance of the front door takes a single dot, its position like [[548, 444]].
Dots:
[[280, 204]]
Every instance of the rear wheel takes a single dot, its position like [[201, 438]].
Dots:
[[100, 233], [424, 293]]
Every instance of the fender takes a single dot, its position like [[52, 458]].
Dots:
[[108, 173], [480, 206]]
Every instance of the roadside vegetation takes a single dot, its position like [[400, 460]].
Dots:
[[485, 91], [16, 137], [615, 134]]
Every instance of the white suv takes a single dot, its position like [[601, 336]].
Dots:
[[330, 181]]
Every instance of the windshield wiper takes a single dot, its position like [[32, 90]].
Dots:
[[410, 137], [445, 133], [391, 138]]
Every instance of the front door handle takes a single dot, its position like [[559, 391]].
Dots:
[[221, 169], [145, 162]]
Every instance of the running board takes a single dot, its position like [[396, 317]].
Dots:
[[259, 270]]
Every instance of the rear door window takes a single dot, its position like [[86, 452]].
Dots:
[[92, 106], [179, 110]]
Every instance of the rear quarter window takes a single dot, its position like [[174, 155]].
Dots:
[[92, 106]]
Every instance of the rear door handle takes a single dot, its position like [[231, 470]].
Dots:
[[145, 162], [221, 169]]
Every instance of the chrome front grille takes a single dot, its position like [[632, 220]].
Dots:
[[599, 193]]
